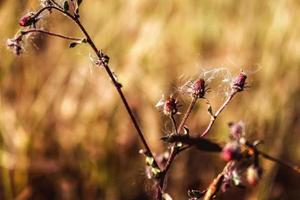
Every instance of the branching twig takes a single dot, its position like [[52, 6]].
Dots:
[[100, 56], [197, 89], [214, 117], [25, 32]]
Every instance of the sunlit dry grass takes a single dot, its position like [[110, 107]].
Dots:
[[65, 135]]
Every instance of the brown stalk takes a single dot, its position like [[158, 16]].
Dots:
[[105, 65], [25, 32]]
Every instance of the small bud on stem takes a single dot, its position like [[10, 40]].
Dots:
[[239, 82]]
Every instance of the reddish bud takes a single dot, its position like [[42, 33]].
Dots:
[[231, 151], [27, 20], [253, 175], [198, 88], [170, 106], [239, 82]]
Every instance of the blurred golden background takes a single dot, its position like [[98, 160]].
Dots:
[[66, 135]]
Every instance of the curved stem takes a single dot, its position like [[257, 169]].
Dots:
[[118, 88], [57, 8], [55, 3], [25, 32], [109, 72]]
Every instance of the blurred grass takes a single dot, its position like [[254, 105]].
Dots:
[[64, 134]]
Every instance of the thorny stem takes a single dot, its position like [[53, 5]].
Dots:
[[109, 72], [214, 117], [25, 32]]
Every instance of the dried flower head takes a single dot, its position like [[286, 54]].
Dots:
[[169, 106], [239, 82], [195, 88]]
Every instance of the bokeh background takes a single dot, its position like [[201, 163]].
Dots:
[[65, 134]]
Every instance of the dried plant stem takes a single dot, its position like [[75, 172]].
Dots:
[[268, 157], [25, 32], [216, 184], [109, 72], [118, 88], [273, 159], [215, 116], [187, 114], [175, 151], [174, 124]]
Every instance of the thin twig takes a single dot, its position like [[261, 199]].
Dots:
[[187, 114], [215, 116], [174, 124], [118, 88], [109, 72], [271, 158], [25, 32]]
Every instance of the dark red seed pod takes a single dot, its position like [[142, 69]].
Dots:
[[199, 88], [26, 20], [239, 82], [170, 106]]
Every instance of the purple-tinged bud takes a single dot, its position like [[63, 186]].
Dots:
[[169, 106], [198, 88], [231, 151], [253, 175], [239, 82]]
